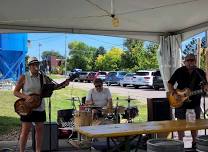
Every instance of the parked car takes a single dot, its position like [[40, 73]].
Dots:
[[127, 79], [157, 80], [93, 75], [101, 75], [75, 75], [114, 77], [143, 78], [83, 76]]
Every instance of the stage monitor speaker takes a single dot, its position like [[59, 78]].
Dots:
[[158, 109], [46, 137]]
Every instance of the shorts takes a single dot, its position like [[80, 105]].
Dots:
[[35, 116], [180, 113]]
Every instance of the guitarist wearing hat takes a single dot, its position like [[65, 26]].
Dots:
[[29, 89], [191, 83]]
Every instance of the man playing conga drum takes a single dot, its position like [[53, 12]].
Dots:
[[99, 97]]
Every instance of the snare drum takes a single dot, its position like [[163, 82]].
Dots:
[[82, 118], [131, 113]]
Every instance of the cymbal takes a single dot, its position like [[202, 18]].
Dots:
[[73, 99], [128, 99]]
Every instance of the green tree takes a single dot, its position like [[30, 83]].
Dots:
[[138, 57], [110, 61], [80, 55]]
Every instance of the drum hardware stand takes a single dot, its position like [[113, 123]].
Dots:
[[128, 111], [73, 103], [73, 99], [116, 111]]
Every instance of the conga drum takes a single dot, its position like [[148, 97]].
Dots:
[[82, 118]]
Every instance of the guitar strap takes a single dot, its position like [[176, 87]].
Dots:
[[193, 80], [41, 80]]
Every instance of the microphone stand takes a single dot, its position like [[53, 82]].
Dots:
[[49, 107], [49, 114]]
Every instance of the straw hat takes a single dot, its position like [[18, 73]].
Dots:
[[32, 60]]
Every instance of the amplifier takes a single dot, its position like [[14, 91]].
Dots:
[[46, 137], [158, 109]]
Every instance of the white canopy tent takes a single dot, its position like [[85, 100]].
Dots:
[[165, 21]]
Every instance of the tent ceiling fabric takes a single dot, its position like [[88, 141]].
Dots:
[[145, 19]]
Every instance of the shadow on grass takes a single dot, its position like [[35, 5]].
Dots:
[[8, 123]]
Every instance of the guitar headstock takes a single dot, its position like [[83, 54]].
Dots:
[[71, 77]]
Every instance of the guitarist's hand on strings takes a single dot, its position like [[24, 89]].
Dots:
[[28, 98]]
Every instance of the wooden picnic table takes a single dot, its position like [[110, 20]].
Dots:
[[127, 129], [113, 131]]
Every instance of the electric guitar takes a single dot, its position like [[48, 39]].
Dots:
[[24, 108], [177, 99]]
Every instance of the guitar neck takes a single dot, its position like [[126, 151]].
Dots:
[[62, 85]]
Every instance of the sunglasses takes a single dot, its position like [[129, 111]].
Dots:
[[98, 86], [190, 60]]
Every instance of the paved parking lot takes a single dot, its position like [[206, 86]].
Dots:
[[141, 93]]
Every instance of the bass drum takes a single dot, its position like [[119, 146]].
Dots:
[[130, 113]]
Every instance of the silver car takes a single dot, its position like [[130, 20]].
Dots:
[[127, 79], [143, 78]]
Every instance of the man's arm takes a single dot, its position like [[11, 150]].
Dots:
[[109, 102], [89, 100], [171, 88]]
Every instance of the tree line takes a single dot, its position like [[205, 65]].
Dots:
[[135, 55]]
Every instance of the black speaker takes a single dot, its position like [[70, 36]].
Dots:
[[158, 109], [46, 137]]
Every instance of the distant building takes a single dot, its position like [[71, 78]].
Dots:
[[54, 63]]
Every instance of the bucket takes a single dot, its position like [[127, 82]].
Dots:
[[165, 145], [202, 143]]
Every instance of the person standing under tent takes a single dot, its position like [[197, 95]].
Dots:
[[28, 84], [193, 78]]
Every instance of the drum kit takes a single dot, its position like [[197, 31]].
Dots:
[[83, 116]]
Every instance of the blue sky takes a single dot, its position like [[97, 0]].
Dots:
[[56, 41], [196, 37]]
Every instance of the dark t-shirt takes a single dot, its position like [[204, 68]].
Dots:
[[191, 81]]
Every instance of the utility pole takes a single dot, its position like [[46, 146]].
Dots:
[[65, 55], [39, 45]]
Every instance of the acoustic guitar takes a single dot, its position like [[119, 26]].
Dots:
[[177, 99], [24, 108]]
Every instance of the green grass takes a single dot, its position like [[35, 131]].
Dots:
[[10, 120], [56, 76]]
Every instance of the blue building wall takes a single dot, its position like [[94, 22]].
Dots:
[[13, 49]]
